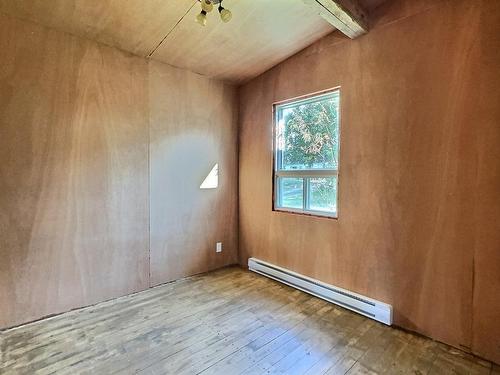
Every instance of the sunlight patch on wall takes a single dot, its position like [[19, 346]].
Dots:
[[212, 179]]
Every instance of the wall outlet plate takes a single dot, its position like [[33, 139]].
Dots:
[[218, 247]]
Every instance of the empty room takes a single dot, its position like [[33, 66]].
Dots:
[[250, 187]]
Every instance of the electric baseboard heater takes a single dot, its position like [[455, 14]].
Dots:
[[366, 306]]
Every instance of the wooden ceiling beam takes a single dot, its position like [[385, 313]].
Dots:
[[345, 15]]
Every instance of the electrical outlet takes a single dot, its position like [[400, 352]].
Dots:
[[218, 247]]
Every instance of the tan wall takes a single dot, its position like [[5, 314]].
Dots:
[[74, 180], [419, 168], [192, 128]]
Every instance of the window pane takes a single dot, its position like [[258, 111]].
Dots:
[[323, 194], [291, 192], [308, 133]]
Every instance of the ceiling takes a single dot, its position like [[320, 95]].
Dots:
[[261, 34]]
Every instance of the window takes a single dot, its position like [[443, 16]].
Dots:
[[306, 148]]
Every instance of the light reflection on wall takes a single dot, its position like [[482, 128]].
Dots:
[[212, 179]]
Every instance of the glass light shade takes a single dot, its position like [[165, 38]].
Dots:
[[201, 19], [225, 15], [206, 6]]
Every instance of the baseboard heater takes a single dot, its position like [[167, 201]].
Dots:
[[371, 308]]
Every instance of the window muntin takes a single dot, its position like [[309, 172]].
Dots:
[[306, 154]]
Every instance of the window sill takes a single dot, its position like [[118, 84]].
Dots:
[[318, 214]]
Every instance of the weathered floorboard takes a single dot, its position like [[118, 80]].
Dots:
[[225, 322]]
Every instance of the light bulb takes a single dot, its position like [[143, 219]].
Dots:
[[202, 18], [206, 5], [225, 15]]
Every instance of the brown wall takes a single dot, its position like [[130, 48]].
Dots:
[[192, 128], [74, 180], [419, 168]]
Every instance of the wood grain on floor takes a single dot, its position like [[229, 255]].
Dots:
[[229, 321]]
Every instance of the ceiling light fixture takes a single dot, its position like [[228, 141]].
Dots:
[[207, 6]]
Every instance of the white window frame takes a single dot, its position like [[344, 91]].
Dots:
[[305, 174]]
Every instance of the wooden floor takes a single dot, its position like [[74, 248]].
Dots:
[[226, 322]]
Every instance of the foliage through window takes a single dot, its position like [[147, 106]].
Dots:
[[307, 154]]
